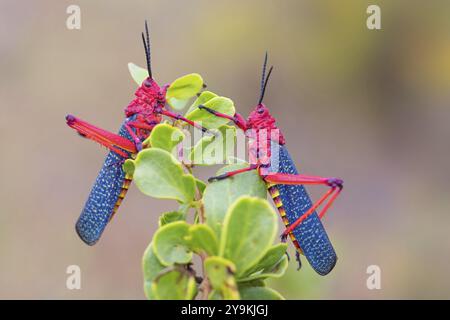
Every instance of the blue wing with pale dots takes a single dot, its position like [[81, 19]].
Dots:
[[105, 197], [294, 201]]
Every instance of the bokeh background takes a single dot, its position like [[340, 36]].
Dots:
[[372, 107]]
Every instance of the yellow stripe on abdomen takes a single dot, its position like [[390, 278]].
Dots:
[[122, 194], [275, 194]]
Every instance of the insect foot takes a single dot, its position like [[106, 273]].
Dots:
[[297, 257], [217, 178], [335, 183]]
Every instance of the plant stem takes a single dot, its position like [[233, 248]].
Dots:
[[205, 286]]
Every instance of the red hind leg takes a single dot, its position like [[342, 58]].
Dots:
[[328, 198], [108, 139]]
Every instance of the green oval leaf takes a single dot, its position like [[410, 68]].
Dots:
[[177, 104], [252, 283], [259, 293], [204, 97], [164, 136], [203, 239], [208, 120], [151, 267], [176, 284], [219, 195], [216, 149], [200, 185], [198, 155], [169, 217], [220, 273], [274, 271], [137, 73], [158, 174], [128, 167], [270, 259], [170, 244], [249, 229], [182, 89]]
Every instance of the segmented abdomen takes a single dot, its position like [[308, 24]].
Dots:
[[275, 194], [105, 197], [292, 201]]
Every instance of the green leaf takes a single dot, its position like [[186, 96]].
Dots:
[[219, 195], [202, 99], [164, 136], [184, 208], [169, 217], [208, 120], [202, 239], [176, 284], [177, 104], [249, 229], [170, 244], [182, 89], [128, 167], [172, 216], [275, 271], [196, 153], [259, 293], [151, 267], [217, 149], [220, 273], [158, 174], [137, 73], [251, 283], [271, 258], [200, 185], [218, 270]]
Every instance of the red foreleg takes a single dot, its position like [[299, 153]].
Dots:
[[328, 198], [108, 139], [137, 141], [142, 125], [178, 116], [232, 173], [237, 118]]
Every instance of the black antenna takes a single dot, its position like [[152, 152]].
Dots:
[[263, 75], [264, 79], [147, 49]]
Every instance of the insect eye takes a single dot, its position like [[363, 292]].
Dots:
[[260, 110], [147, 83]]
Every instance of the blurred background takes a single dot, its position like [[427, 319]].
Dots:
[[370, 106]]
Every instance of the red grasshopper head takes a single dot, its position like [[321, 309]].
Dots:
[[260, 118], [149, 97]]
